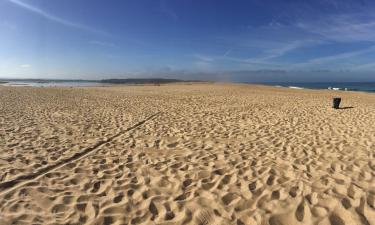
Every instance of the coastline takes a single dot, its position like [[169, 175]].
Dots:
[[368, 87]]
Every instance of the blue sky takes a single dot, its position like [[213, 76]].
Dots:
[[267, 40]]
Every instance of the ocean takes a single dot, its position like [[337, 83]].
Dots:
[[341, 86]]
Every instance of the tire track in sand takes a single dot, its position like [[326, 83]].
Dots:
[[21, 180]]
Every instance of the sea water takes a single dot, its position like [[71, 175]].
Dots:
[[341, 86]]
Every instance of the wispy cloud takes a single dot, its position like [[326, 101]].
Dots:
[[268, 44], [54, 18], [25, 65], [343, 55], [102, 43], [266, 59], [343, 28], [272, 51], [167, 10], [365, 67], [287, 47], [204, 63], [334, 58], [228, 52], [203, 58], [8, 25], [252, 63]]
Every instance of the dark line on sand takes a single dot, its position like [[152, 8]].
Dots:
[[5, 186]]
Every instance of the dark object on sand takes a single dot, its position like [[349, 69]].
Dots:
[[336, 103]]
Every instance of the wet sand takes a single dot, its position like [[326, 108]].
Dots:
[[186, 154]]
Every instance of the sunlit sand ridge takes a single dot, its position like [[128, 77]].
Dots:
[[186, 154]]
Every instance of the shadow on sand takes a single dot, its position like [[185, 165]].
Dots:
[[348, 107]]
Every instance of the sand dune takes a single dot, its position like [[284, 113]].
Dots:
[[186, 154]]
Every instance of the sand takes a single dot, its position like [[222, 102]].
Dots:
[[186, 154]]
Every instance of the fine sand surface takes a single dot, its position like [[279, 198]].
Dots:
[[204, 154]]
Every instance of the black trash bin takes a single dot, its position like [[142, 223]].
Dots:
[[336, 102]]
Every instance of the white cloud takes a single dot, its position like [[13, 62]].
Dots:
[[25, 65], [8, 25], [167, 10], [343, 28], [273, 51], [203, 58], [203, 63], [102, 43], [261, 47], [333, 58], [343, 55], [228, 52], [287, 47], [365, 67], [55, 18]]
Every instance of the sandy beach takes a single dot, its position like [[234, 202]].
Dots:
[[202, 154]]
